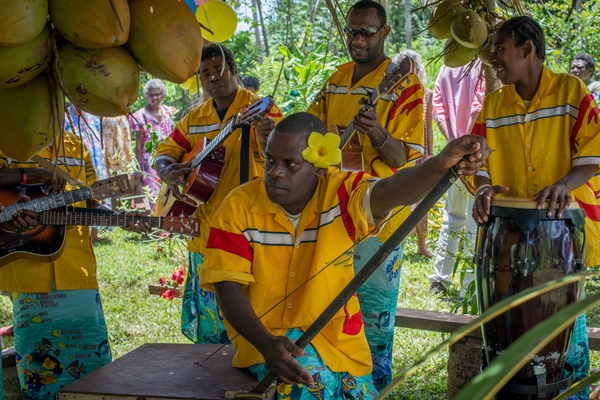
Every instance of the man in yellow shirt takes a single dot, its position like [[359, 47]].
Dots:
[[59, 328], [545, 133], [243, 161], [271, 235], [391, 136]]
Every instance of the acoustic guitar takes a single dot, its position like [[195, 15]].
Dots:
[[44, 243], [350, 145], [207, 160]]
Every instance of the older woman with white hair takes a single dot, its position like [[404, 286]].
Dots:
[[419, 70], [151, 124]]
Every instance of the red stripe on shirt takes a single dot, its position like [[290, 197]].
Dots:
[[234, 243], [343, 197], [592, 211], [478, 129], [180, 139], [406, 93], [583, 107], [275, 112]]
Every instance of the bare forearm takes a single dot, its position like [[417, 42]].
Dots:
[[238, 311], [578, 176], [392, 151]]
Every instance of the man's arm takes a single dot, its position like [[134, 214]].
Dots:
[[173, 175], [409, 185], [278, 351]]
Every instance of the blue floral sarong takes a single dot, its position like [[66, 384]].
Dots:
[[200, 318], [328, 385], [59, 337], [378, 298]]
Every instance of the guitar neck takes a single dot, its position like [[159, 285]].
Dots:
[[45, 203], [95, 219], [214, 143], [350, 130]]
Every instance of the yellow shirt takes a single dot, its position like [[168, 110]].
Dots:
[[533, 148], [252, 242], [400, 112], [76, 266], [203, 122]]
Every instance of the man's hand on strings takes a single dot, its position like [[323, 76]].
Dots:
[[472, 146], [23, 220], [138, 225], [279, 355], [173, 175]]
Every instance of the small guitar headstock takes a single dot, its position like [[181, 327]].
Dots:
[[182, 225], [397, 75], [256, 110], [109, 188]]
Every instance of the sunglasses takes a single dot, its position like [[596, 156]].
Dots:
[[364, 32]]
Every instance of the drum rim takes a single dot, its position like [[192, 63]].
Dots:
[[526, 203]]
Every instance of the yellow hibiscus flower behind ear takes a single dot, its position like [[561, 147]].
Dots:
[[323, 150], [191, 85]]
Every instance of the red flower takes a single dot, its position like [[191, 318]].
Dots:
[[174, 277], [162, 281], [181, 270], [180, 279]]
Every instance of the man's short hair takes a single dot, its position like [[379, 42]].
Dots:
[[587, 59], [301, 123], [366, 4], [525, 28], [251, 81], [217, 50]]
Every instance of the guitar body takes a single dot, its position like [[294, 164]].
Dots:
[[352, 158], [202, 183], [43, 244]]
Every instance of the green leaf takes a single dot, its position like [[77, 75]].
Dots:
[[284, 51]]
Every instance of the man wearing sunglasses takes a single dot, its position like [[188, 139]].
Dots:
[[391, 136]]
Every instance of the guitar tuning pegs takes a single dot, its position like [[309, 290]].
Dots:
[[401, 87], [408, 81]]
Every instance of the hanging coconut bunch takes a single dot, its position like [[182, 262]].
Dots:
[[468, 26], [92, 52]]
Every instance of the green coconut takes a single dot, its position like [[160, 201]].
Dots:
[[23, 63], [469, 29], [21, 20], [104, 82], [442, 16], [165, 39], [91, 24], [485, 52], [457, 55], [26, 123]]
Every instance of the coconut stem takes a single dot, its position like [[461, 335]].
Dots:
[[114, 7]]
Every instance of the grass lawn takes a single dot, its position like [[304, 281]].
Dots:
[[134, 317]]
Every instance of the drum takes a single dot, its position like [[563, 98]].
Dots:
[[520, 247]]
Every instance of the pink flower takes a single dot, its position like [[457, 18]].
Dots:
[[180, 279], [162, 281], [174, 277], [181, 270]]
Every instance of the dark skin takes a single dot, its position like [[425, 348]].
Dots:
[[25, 220], [284, 168], [368, 54], [580, 70], [520, 65], [221, 85]]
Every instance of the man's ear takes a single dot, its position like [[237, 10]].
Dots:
[[528, 48], [321, 172], [386, 32]]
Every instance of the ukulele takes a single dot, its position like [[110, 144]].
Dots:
[[352, 159], [45, 242], [207, 160], [109, 188]]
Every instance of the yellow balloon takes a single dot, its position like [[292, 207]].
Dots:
[[222, 20]]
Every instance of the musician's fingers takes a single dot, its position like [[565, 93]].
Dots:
[[563, 204], [31, 223], [362, 101], [552, 203]]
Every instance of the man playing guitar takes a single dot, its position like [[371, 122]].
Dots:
[[391, 136], [243, 162]]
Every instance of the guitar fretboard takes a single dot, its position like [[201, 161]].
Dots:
[[98, 219], [46, 203], [214, 143]]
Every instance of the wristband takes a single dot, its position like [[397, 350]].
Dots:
[[387, 135], [23, 176], [482, 187]]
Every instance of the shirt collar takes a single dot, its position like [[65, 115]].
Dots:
[[347, 70], [547, 87]]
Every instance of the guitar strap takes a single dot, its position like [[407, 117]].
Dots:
[[245, 155]]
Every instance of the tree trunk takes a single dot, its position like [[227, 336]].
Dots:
[[262, 24], [256, 30], [407, 24]]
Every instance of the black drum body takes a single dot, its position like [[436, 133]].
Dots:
[[520, 247]]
